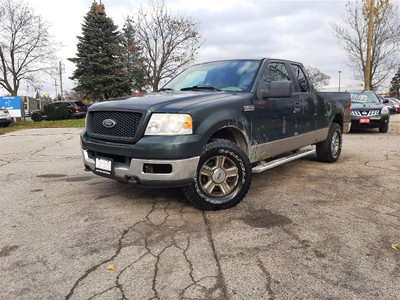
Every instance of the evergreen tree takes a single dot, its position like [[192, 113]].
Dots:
[[99, 64], [395, 84], [133, 57]]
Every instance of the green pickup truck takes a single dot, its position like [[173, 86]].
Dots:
[[212, 126]]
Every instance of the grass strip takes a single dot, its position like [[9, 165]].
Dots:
[[43, 124]]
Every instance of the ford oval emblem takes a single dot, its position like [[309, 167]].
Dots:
[[109, 123]]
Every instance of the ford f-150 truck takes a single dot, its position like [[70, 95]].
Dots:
[[212, 126]]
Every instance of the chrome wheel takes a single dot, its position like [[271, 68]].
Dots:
[[335, 144], [218, 176]]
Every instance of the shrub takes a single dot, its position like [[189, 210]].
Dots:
[[57, 113]]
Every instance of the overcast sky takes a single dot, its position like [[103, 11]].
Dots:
[[296, 30]]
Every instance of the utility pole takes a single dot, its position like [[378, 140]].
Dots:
[[55, 84], [62, 96], [367, 73]]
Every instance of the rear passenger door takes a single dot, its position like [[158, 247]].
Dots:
[[305, 105]]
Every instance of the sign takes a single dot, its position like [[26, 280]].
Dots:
[[12, 104], [359, 98]]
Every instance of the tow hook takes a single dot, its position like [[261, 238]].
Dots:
[[132, 179]]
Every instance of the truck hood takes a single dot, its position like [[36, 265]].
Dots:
[[161, 101]]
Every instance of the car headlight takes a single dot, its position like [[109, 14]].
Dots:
[[169, 124], [385, 110]]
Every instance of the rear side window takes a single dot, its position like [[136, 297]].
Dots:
[[301, 78], [275, 72]]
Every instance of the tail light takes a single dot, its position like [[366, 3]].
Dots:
[[78, 107]]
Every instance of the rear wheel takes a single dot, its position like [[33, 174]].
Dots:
[[222, 179], [330, 149]]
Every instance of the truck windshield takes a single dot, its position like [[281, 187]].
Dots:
[[364, 98], [233, 76]]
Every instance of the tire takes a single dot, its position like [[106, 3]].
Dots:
[[330, 149], [385, 128], [222, 179], [36, 118]]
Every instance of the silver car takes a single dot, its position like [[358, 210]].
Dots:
[[5, 118]]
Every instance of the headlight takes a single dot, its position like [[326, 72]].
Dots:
[[385, 110], [169, 124]]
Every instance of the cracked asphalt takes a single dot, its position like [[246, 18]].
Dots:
[[306, 230]]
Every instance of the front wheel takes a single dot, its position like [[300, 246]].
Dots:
[[36, 117], [384, 128], [222, 179], [330, 149]]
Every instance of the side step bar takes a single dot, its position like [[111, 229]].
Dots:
[[282, 160]]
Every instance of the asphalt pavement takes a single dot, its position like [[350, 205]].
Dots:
[[306, 230]]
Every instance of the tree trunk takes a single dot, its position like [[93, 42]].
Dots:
[[155, 84]]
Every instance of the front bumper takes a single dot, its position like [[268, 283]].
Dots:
[[6, 121], [149, 147], [134, 171], [375, 121]]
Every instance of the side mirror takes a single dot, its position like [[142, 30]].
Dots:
[[278, 89], [385, 101]]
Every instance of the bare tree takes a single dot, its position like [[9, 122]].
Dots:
[[318, 78], [169, 43], [26, 49], [352, 33], [73, 95]]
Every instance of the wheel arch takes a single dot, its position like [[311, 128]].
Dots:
[[232, 134], [338, 118]]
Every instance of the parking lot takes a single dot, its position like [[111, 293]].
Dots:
[[306, 230]]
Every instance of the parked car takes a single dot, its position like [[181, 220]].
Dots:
[[398, 102], [76, 108], [367, 111], [5, 118], [394, 105]]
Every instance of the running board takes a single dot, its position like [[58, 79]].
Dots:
[[282, 160]]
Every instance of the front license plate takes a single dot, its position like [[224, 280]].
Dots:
[[104, 165], [364, 120]]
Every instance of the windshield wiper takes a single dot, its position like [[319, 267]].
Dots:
[[200, 87], [165, 89]]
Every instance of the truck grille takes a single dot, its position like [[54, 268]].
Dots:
[[125, 125]]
